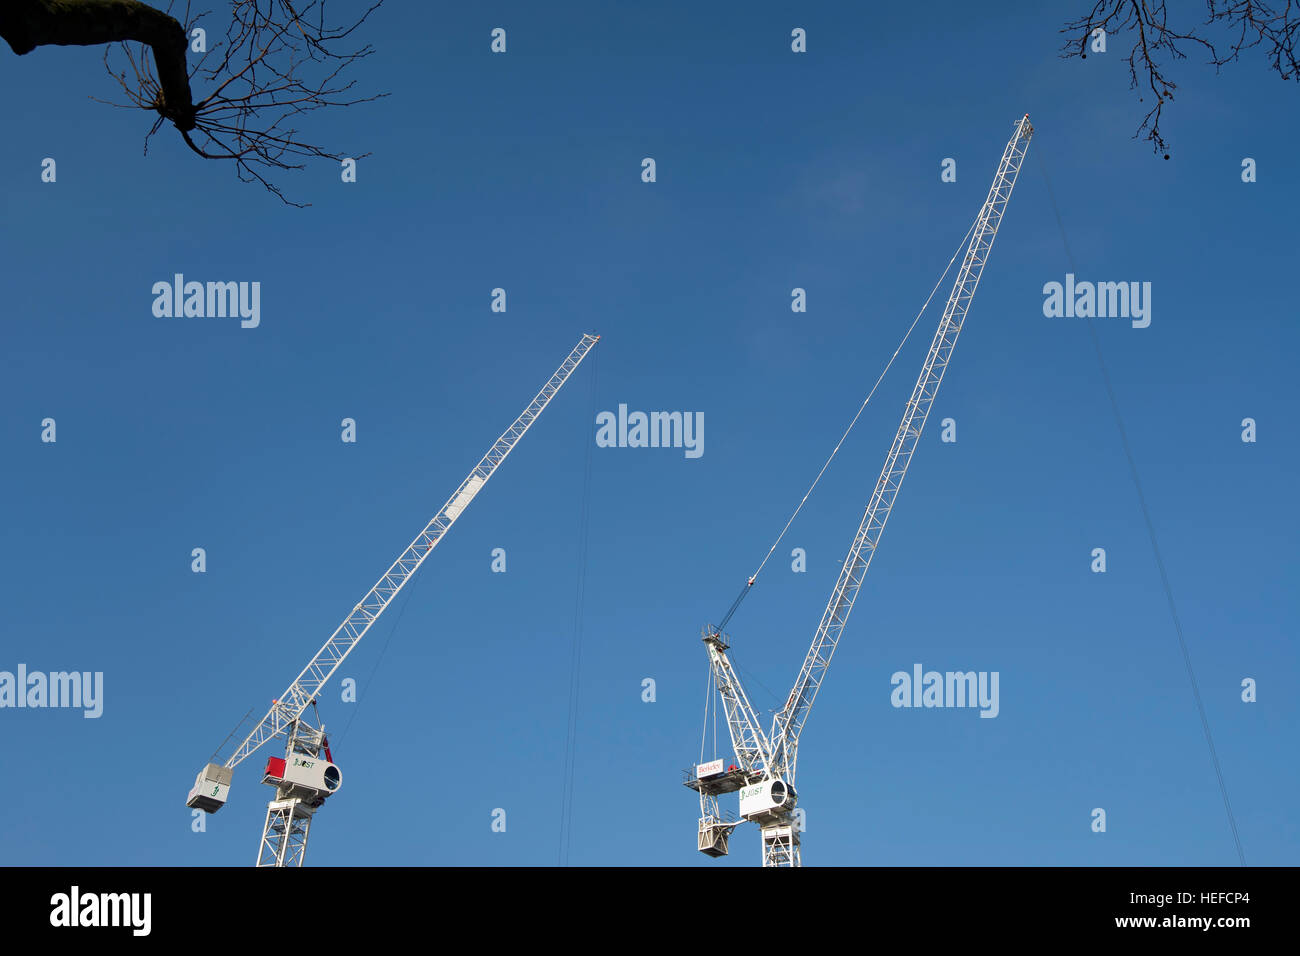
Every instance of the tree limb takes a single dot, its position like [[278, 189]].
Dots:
[[1249, 23], [27, 24]]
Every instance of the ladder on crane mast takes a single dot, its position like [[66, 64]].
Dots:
[[764, 771], [306, 775]]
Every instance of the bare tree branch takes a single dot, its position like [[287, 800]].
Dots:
[[27, 24], [279, 60], [1156, 44]]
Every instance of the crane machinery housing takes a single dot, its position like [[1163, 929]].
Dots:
[[306, 775], [764, 771]]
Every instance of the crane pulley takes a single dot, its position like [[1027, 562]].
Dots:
[[306, 775], [765, 773]]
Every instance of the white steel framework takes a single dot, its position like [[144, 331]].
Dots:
[[288, 819], [284, 837], [773, 757], [289, 815]]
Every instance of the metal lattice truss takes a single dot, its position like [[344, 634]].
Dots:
[[789, 721], [753, 752], [774, 757], [781, 843], [284, 837], [296, 698]]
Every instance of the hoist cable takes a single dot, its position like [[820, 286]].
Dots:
[[753, 577]]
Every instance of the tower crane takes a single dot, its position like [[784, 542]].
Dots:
[[764, 770], [306, 775]]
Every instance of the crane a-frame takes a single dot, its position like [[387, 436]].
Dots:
[[764, 770], [307, 774]]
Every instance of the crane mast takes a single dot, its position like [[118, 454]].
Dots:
[[307, 775], [765, 773]]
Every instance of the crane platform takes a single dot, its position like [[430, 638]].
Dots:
[[728, 781]]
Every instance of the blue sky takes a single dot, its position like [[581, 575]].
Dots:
[[774, 171]]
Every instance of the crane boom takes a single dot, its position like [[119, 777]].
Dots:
[[764, 778], [299, 695], [789, 721]]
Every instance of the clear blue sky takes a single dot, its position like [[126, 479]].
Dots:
[[775, 170]]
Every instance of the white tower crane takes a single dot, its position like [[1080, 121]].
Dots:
[[764, 771], [306, 774]]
